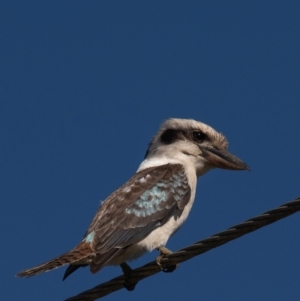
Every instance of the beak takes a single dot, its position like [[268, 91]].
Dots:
[[222, 159]]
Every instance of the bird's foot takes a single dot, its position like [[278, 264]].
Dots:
[[164, 266], [129, 284]]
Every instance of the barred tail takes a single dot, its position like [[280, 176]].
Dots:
[[82, 251]]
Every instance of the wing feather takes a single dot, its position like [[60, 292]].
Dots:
[[144, 203]]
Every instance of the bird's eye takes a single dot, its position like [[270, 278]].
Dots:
[[199, 136]]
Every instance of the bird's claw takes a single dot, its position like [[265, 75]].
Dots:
[[129, 283], [164, 266]]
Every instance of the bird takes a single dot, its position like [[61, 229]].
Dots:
[[152, 205]]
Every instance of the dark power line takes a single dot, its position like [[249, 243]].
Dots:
[[189, 252]]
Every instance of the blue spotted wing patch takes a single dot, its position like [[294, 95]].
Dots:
[[162, 196]]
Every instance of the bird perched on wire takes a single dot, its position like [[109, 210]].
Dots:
[[143, 213]]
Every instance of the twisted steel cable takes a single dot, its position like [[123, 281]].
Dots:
[[189, 252]]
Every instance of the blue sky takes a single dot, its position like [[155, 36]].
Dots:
[[84, 87]]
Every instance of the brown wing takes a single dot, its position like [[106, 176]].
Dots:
[[142, 204]]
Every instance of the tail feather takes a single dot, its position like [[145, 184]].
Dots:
[[96, 264], [82, 251]]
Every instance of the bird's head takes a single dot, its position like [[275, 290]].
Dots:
[[193, 142]]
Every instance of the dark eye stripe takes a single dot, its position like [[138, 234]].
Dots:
[[169, 136]]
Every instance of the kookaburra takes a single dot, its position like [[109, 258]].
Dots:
[[143, 213]]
